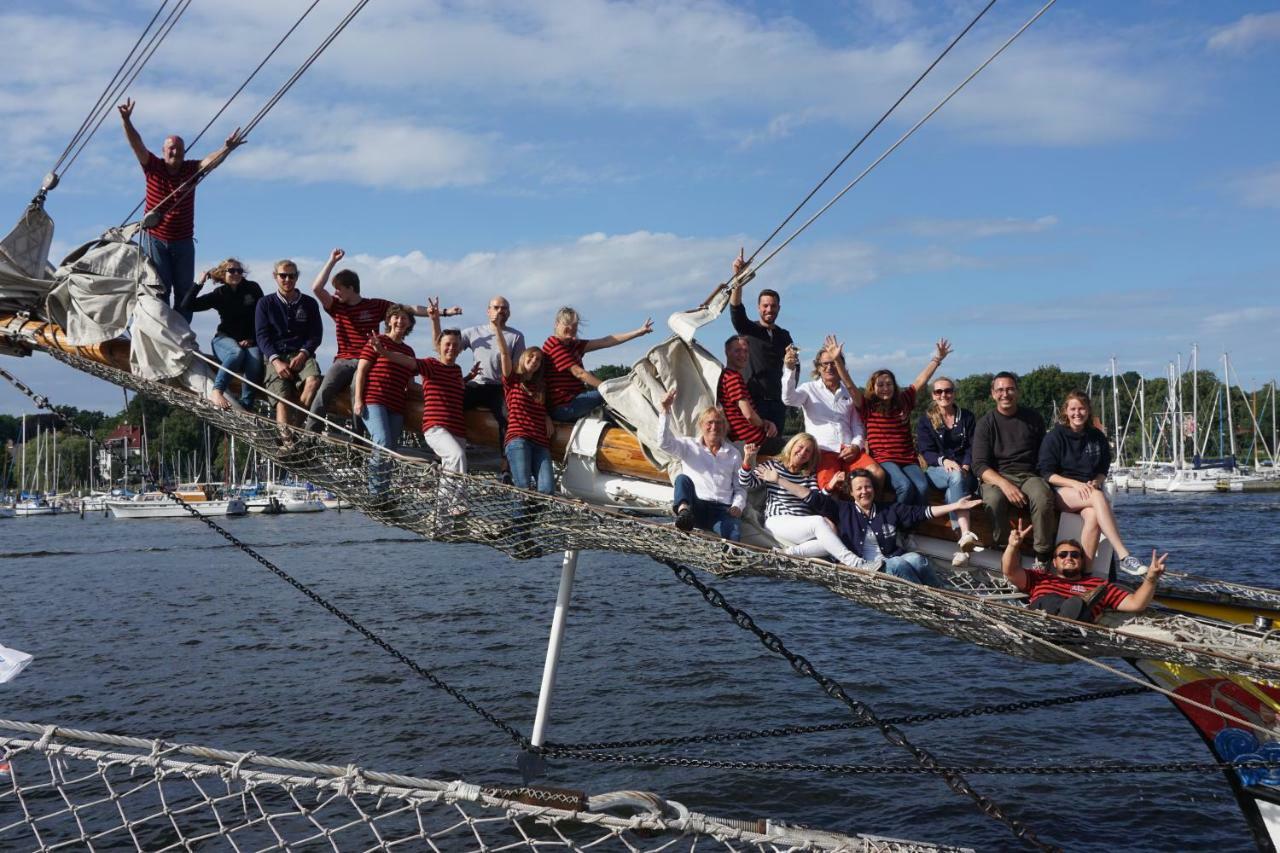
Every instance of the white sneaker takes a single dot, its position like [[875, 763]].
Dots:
[[968, 542], [960, 559], [1133, 566]]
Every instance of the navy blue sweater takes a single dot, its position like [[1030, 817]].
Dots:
[[236, 307], [1081, 456], [884, 521], [941, 443], [284, 328]]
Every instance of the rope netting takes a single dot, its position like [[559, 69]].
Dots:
[[71, 789], [415, 494]]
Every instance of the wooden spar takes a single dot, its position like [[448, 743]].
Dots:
[[619, 452]]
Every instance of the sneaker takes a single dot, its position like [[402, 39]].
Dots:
[[505, 479], [968, 542], [684, 519], [960, 559], [1133, 566]]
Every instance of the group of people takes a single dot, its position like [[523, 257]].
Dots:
[[820, 486]]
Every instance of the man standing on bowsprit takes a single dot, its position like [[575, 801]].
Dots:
[[767, 342], [171, 196]]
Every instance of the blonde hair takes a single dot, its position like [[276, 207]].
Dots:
[[935, 411], [281, 264], [790, 447], [567, 315], [712, 412], [219, 273]]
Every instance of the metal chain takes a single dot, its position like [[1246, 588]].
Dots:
[[860, 710], [356, 626], [909, 719], [909, 770], [350, 621]]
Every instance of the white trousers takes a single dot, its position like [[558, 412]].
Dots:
[[453, 457], [808, 536]]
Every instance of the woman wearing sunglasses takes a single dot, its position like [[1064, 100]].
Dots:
[[1074, 458], [233, 344], [944, 436]]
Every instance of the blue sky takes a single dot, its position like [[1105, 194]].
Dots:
[[1109, 186]]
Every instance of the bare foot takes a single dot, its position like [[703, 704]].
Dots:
[[219, 399]]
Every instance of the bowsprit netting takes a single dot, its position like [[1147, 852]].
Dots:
[[70, 789], [416, 495]]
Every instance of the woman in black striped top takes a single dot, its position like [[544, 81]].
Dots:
[[788, 518]]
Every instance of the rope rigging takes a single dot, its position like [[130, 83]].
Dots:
[[871, 130], [189, 185], [120, 82]]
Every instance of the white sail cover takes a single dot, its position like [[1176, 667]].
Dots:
[[103, 289]]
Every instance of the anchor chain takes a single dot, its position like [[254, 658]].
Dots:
[[860, 710], [909, 719]]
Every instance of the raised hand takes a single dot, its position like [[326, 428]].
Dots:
[[791, 358], [126, 109], [837, 481], [1017, 533], [375, 342], [767, 473], [749, 451], [336, 255], [646, 328], [833, 346], [1157, 567], [234, 140], [740, 262], [433, 307], [666, 401], [941, 349]]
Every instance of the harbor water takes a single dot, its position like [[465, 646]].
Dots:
[[163, 629]]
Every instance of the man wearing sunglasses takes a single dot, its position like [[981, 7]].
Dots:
[[1066, 590], [289, 333]]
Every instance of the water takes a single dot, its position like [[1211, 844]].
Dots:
[[161, 629]]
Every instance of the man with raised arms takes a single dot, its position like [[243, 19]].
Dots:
[[1067, 590], [767, 342], [171, 199], [1006, 449], [355, 318]]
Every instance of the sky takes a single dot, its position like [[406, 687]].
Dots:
[[1108, 186]]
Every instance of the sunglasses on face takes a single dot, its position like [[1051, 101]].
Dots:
[[1069, 555], [234, 271], [938, 391], [826, 365], [288, 276]]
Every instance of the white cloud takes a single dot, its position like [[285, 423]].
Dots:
[[1241, 319], [1259, 188], [979, 228], [1246, 33]]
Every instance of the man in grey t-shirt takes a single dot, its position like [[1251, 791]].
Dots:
[[485, 390]]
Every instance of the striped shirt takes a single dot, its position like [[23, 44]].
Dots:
[[178, 214], [889, 435], [353, 323], [526, 415], [442, 396], [777, 500], [1040, 583], [731, 389], [562, 356], [386, 381]]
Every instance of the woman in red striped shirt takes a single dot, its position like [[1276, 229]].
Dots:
[[383, 373], [529, 428], [567, 379], [885, 410]]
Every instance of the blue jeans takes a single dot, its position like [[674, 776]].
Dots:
[[954, 484], [385, 428], [908, 481], [707, 515], [528, 460], [246, 361], [175, 261], [578, 406], [912, 567]]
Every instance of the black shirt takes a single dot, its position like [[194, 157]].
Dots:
[[235, 307], [1009, 444], [767, 346]]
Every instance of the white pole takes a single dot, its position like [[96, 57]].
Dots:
[[567, 571], [1115, 410], [1195, 397], [1231, 428]]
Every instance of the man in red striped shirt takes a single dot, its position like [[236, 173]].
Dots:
[[168, 235], [1067, 590], [355, 317], [732, 395]]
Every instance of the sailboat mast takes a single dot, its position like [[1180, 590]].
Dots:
[[1115, 411], [23, 487], [1195, 400], [1142, 414], [1226, 379]]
